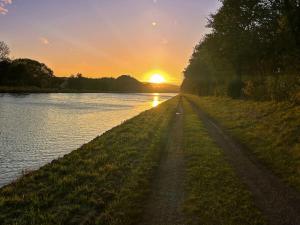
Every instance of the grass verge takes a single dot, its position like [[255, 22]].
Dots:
[[103, 182], [270, 130], [214, 193]]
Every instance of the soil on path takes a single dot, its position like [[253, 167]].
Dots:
[[279, 203], [165, 202]]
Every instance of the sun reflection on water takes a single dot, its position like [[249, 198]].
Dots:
[[155, 101]]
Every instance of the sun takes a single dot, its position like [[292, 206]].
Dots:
[[157, 79]]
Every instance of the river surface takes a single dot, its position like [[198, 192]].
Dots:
[[37, 128]]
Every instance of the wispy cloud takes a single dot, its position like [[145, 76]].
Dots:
[[3, 4], [3, 11]]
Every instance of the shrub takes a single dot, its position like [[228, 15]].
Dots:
[[235, 88]]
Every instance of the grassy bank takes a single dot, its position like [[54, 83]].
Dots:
[[214, 193], [103, 182], [270, 130]]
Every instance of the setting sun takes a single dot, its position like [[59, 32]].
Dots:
[[157, 79]]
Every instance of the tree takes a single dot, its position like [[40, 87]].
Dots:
[[30, 72], [4, 51], [4, 71], [36, 69], [254, 49]]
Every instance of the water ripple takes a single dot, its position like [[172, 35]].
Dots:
[[37, 128]]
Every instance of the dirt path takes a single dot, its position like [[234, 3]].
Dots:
[[164, 204], [279, 203]]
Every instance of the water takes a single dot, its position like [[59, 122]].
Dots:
[[37, 128]]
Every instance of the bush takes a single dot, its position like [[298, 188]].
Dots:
[[235, 88], [280, 88]]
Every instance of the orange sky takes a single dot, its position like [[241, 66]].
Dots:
[[107, 38]]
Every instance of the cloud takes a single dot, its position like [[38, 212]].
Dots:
[[44, 41], [7, 1], [3, 11], [3, 4]]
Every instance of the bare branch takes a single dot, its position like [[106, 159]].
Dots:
[[4, 51]]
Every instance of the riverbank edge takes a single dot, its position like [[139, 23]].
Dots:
[[113, 171]]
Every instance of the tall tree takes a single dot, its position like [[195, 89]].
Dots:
[[254, 49], [4, 51]]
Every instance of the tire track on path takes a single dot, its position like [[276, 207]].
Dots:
[[165, 202]]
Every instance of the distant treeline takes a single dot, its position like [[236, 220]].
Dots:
[[26, 75], [253, 52]]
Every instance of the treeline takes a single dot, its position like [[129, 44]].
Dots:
[[26, 72], [123, 83], [253, 52], [27, 75]]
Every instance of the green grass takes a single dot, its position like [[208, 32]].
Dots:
[[270, 130], [214, 193], [104, 182]]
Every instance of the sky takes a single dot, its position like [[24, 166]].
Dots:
[[106, 38]]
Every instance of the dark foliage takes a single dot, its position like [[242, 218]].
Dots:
[[124, 83], [235, 89], [255, 41], [25, 72]]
